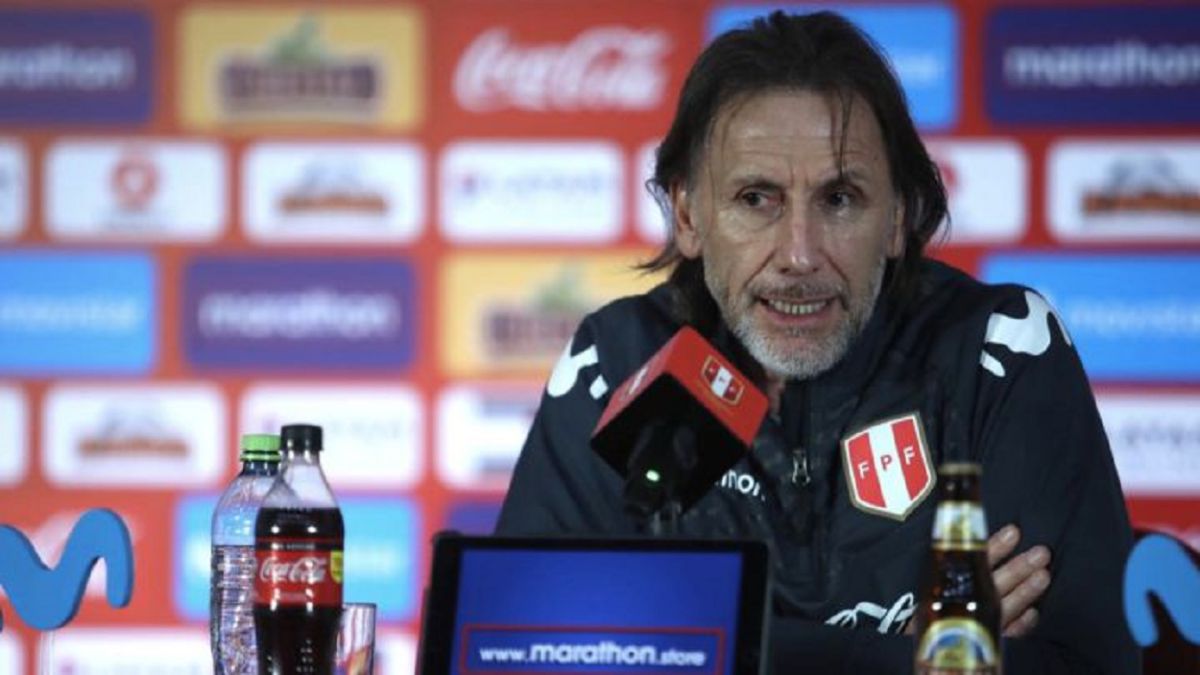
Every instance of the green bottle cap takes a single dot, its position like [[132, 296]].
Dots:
[[260, 448]]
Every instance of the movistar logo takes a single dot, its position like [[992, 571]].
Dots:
[[47, 598], [1160, 566]]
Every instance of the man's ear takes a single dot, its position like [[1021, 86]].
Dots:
[[896, 245], [687, 235]]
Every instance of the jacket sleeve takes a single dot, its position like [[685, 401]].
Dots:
[[1048, 468], [559, 485]]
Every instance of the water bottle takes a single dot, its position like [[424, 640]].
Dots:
[[231, 599]]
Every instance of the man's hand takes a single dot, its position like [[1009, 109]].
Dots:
[[1019, 581]]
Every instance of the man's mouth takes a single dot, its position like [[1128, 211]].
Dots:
[[792, 308]]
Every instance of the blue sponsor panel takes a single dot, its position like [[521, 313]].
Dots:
[[1131, 317], [298, 313], [76, 313], [1109, 65], [75, 66], [920, 39], [192, 556], [382, 554], [473, 517], [530, 607]]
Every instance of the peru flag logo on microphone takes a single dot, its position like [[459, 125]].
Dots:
[[888, 470], [722, 382]]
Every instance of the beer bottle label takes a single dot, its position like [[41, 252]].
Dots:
[[295, 572], [957, 645], [959, 526]]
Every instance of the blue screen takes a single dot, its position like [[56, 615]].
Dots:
[[596, 611]]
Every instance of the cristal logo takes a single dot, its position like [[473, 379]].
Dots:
[[606, 67], [306, 570]]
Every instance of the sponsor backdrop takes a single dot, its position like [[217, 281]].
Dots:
[[388, 217]]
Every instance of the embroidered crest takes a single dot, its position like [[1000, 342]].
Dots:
[[888, 468]]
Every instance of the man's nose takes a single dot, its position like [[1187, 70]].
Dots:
[[797, 242]]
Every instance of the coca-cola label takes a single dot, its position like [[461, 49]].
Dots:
[[601, 68], [292, 572]]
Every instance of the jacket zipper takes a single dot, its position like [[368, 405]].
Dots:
[[817, 529]]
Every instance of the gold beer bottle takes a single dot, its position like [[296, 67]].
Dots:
[[958, 620]]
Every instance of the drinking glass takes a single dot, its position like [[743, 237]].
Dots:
[[356, 640]]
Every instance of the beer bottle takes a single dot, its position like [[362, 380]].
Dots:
[[958, 621]]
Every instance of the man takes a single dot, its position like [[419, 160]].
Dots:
[[801, 200]]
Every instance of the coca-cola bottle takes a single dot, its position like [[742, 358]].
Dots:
[[298, 546]]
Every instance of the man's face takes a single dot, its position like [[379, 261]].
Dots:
[[794, 245]]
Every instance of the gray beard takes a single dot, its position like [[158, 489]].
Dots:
[[805, 363]]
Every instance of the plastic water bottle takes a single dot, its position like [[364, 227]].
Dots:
[[231, 599]]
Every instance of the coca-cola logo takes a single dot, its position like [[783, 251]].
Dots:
[[305, 570], [605, 67]]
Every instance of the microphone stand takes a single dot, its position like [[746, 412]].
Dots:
[[665, 521], [660, 466]]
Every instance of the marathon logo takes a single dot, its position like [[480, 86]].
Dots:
[[82, 66], [1119, 64], [345, 313]]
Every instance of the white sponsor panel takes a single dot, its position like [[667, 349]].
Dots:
[[1155, 441], [651, 222], [1124, 190], [12, 659], [14, 435], [136, 190], [560, 192], [613, 67], [14, 188], [125, 651], [333, 192], [373, 435], [480, 433], [395, 654], [149, 436], [987, 185]]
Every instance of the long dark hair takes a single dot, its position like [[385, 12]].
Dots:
[[822, 53]]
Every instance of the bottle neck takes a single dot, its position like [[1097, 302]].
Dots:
[[302, 457], [259, 467], [959, 525], [302, 483]]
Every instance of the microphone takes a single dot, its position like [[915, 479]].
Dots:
[[675, 426]]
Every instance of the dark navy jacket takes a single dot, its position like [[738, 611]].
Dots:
[[991, 374]]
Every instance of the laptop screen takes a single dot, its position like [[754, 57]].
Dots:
[[555, 605]]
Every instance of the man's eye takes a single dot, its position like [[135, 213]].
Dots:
[[839, 199], [754, 199]]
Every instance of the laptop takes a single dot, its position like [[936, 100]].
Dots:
[[566, 605]]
